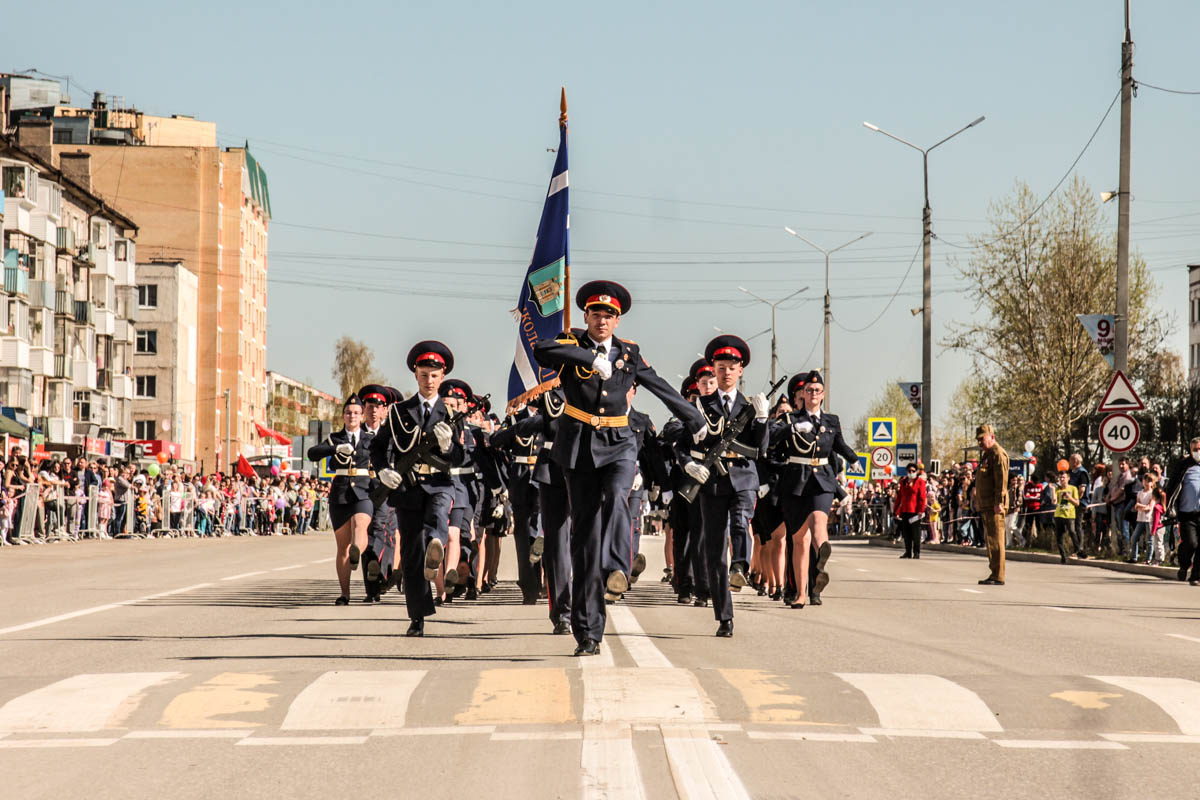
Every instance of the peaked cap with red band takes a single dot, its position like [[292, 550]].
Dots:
[[607, 295], [795, 385], [728, 346], [453, 387], [689, 386], [375, 393], [430, 353], [700, 368]]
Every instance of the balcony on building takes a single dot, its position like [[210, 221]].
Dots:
[[64, 303], [64, 367], [84, 312]]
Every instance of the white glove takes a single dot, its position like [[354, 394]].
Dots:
[[761, 407], [444, 434], [802, 427], [667, 497], [346, 449], [763, 489], [654, 493], [696, 471], [498, 512], [603, 366], [637, 482], [700, 435], [389, 478]]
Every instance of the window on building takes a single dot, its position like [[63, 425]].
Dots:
[[145, 386], [147, 342], [122, 253], [83, 406], [144, 429], [148, 295]]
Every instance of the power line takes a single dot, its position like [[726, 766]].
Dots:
[[891, 300], [1138, 84]]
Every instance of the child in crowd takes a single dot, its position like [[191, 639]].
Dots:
[[104, 507]]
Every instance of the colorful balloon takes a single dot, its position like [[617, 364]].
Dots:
[[163, 457], [152, 470]]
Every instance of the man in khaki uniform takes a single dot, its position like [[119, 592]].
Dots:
[[991, 497]]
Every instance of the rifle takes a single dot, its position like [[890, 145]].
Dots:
[[424, 451], [732, 428]]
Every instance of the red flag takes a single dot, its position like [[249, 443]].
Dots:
[[243, 467]]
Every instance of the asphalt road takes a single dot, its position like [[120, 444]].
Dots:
[[185, 668]]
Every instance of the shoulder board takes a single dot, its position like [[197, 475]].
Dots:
[[629, 341], [567, 337]]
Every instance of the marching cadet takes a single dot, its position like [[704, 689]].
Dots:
[[991, 495], [554, 504], [422, 498], [523, 494], [705, 376], [596, 449], [767, 523], [349, 497], [485, 487], [691, 572], [805, 443], [381, 558], [651, 476], [458, 397], [727, 499]]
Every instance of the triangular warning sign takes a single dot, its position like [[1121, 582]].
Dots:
[[883, 431], [1120, 396]]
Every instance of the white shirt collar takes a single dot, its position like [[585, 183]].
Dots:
[[732, 395], [428, 401], [370, 430], [606, 344]]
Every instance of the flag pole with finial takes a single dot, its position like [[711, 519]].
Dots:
[[562, 123]]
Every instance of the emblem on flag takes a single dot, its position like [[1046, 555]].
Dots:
[[546, 286]]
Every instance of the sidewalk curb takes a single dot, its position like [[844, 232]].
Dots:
[[1166, 573]]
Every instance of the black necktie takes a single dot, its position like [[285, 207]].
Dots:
[[425, 415], [728, 405], [603, 351]]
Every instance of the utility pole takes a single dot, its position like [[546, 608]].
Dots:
[[774, 348], [1121, 349], [228, 453], [826, 368]]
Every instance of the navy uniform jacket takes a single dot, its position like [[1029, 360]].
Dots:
[[541, 429], [651, 462], [751, 444], [346, 489], [400, 428], [572, 354], [520, 476], [823, 441]]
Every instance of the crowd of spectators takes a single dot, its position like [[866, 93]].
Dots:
[[94, 498]]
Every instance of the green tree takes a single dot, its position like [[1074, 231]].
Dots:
[[353, 366], [1041, 373]]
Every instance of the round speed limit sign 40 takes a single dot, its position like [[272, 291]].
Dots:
[[1119, 432]]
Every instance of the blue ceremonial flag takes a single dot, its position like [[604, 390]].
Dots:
[[539, 310]]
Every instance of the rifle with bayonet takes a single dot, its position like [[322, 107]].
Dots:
[[733, 427]]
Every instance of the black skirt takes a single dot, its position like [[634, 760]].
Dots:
[[340, 513]]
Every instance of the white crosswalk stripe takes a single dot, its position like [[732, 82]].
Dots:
[[645, 695], [81, 703], [350, 699], [1178, 697], [926, 703]]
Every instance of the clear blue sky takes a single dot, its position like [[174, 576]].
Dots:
[[698, 130]]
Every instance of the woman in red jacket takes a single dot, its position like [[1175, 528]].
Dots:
[[910, 508]]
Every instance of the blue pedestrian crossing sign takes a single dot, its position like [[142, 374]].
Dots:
[[881, 431], [859, 470]]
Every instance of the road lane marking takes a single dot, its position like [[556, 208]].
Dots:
[[293, 566], [1058, 744], [520, 696], [96, 609], [300, 740], [922, 702], [806, 736], [192, 734], [608, 766], [640, 647], [28, 743], [245, 575], [445, 730], [1088, 700], [972, 591], [1060, 608], [322, 561], [1151, 738], [860, 569], [766, 695], [536, 736], [91, 702], [924, 733], [659, 696], [353, 699], [1178, 697], [227, 694], [699, 767], [1185, 638]]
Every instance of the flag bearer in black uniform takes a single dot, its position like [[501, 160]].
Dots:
[[727, 500], [422, 498], [806, 442], [381, 559], [349, 496], [537, 431], [691, 572], [596, 449]]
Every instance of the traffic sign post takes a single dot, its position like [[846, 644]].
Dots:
[[881, 431], [859, 470], [1119, 432], [1120, 396], [881, 457], [905, 454]]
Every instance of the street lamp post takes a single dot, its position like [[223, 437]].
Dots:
[[828, 315], [774, 345], [926, 311]]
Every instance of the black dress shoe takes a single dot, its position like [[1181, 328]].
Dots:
[[370, 599], [561, 627], [342, 601], [1182, 574], [822, 579], [472, 593], [536, 548], [416, 628], [725, 629], [907, 555], [684, 598], [355, 555], [700, 602], [588, 647], [789, 598], [777, 595], [796, 604], [737, 577], [373, 570], [437, 601], [815, 598], [991, 582], [639, 566], [529, 601]]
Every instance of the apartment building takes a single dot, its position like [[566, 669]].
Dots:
[[68, 310]]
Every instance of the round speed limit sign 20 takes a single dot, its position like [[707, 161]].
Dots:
[[1119, 432]]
